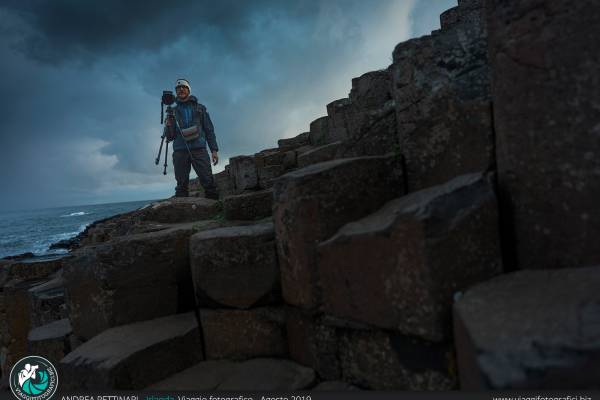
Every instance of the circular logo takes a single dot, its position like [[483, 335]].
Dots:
[[33, 378]]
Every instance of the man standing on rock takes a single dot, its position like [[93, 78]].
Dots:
[[190, 132]]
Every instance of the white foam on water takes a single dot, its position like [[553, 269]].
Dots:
[[76, 214]]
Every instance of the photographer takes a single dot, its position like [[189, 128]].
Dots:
[[190, 128]]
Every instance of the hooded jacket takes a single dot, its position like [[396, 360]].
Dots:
[[190, 113]]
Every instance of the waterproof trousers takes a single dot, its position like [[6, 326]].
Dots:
[[200, 160]]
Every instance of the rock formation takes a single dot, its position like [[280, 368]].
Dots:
[[435, 230]]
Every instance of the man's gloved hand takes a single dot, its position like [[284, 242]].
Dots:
[[215, 157]]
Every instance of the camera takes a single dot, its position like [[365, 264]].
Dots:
[[168, 97]]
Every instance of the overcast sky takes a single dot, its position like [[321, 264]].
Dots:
[[81, 82]]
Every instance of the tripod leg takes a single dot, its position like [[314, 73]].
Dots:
[[166, 155], [162, 139]]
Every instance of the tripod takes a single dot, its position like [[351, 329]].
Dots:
[[170, 113]]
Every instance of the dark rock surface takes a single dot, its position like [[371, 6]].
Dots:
[[382, 361], [310, 204], [530, 330], [134, 356], [313, 343], [236, 266], [130, 279], [248, 206], [443, 103], [402, 264], [243, 172], [180, 209], [244, 334], [544, 60], [51, 341]]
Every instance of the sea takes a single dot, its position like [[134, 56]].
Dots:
[[35, 230]]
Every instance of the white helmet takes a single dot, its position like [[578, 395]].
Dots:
[[183, 82]]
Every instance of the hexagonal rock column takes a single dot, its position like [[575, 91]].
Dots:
[[48, 301], [243, 334], [180, 209], [129, 279], [530, 330], [243, 172], [296, 141], [382, 360], [133, 356], [319, 154], [50, 341], [312, 343], [399, 267], [441, 89], [312, 203], [235, 266], [248, 206], [546, 91]]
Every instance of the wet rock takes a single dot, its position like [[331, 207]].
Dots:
[[441, 91], [243, 334], [235, 266], [244, 174], [530, 330], [544, 61], [310, 204], [134, 356], [130, 279], [383, 361], [51, 341], [248, 206], [399, 267]]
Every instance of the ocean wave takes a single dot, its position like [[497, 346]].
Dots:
[[76, 214]]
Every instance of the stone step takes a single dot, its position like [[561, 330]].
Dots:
[[180, 209], [249, 206], [48, 301], [399, 267], [51, 341], [319, 154], [254, 374], [296, 141], [243, 334], [235, 266], [530, 330], [312, 203], [133, 356], [131, 278]]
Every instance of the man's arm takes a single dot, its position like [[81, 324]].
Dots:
[[210, 132]]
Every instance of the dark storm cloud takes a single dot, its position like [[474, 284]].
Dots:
[[65, 30], [81, 82]]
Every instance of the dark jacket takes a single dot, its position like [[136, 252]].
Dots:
[[190, 113]]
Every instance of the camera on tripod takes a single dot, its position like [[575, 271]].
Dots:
[[167, 99]]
